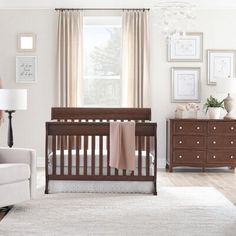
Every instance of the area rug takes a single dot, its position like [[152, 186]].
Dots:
[[177, 211]]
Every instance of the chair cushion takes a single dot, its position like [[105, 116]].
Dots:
[[14, 172]]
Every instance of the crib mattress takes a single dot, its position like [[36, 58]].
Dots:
[[97, 171], [89, 158]]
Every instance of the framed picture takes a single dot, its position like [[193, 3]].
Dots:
[[26, 42], [220, 64], [186, 48], [26, 69], [185, 84]]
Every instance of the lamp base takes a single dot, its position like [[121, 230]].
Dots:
[[10, 132]]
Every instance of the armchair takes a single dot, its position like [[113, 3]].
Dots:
[[17, 175]]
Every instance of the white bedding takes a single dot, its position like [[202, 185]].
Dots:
[[89, 159]]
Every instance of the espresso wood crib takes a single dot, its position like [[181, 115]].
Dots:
[[77, 145]]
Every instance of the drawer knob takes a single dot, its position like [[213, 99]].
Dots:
[[232, 157], [180, 127], [198, 142], [180, 142], [232, 128], [214, 157], [231, 142], [180, 156], [214, 128], [214, 142], [198, 128], [198, 157]]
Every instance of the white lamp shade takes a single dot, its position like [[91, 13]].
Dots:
[[226, 85], [13, 99]]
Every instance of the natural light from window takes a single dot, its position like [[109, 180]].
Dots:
[[102, 61]]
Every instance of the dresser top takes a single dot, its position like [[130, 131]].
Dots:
[[215, 120]]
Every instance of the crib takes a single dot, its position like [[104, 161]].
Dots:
[[77, 147]]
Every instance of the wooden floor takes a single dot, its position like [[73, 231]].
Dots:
[[223, 180]]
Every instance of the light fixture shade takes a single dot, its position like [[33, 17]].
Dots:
[[13, 99], [226, 85]]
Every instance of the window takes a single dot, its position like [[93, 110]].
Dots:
[[102, 61]]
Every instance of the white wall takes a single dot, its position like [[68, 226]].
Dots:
[[29, 125], [218, 33]]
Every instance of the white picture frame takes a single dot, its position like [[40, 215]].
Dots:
[[26, 69], [26, 42], [220, 65], [185, 84], [187, 48]]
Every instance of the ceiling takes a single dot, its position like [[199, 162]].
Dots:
[[50, 4]]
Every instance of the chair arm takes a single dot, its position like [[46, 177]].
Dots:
[[21, 155]]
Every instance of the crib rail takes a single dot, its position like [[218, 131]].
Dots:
[[86, 145], [137, 114]]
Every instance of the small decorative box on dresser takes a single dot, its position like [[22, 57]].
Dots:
[[201, 143]]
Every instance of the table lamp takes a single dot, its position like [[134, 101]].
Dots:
[[10, 101], [227, 85]]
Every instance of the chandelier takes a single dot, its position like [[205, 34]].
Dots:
[[175, 18]]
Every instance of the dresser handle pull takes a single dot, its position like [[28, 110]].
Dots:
[[214, 142], [232, 128], [198, 127], [198, 157], [231, 142], [214, 157], [198, 142], [232, 157], [180, 156], [180, 142], [180, 127], [214, 128]]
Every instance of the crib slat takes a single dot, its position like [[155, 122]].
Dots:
[[54, 160], [78, 139], [85, 154], [93, 155], [147, 155], [62, 155], [100, 155], [108, 156], [70, 145], [139, 156]]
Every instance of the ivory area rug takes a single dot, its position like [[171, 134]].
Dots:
[[177, 211]]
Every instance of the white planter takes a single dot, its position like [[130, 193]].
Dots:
[[214, 112]]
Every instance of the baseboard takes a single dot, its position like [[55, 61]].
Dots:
[[161, 163], [40, 161]]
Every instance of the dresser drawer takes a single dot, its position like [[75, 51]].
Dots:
[[189, 127], [218, 157], [182, 141], [185, 156], [214, 142], [221, 127]]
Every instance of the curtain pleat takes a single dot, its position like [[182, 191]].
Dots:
[[135, 73], [69, 65]]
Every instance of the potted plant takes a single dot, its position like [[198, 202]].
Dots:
[[213, 107]]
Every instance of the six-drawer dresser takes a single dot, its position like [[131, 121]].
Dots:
[[201, 143]]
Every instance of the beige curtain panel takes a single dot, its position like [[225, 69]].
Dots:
[[69, 66], [135, 75]]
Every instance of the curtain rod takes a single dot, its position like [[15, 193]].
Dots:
[[94, 9]]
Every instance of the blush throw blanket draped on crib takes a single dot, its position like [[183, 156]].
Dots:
[[122, 145]]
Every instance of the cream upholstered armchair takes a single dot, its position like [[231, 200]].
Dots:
[[17, 175]]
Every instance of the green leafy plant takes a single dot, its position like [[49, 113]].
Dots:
[[213, 102]]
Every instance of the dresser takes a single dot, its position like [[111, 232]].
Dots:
[[201, 143]]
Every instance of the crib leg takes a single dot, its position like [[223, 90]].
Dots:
[[155, 188], [46, 186]]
